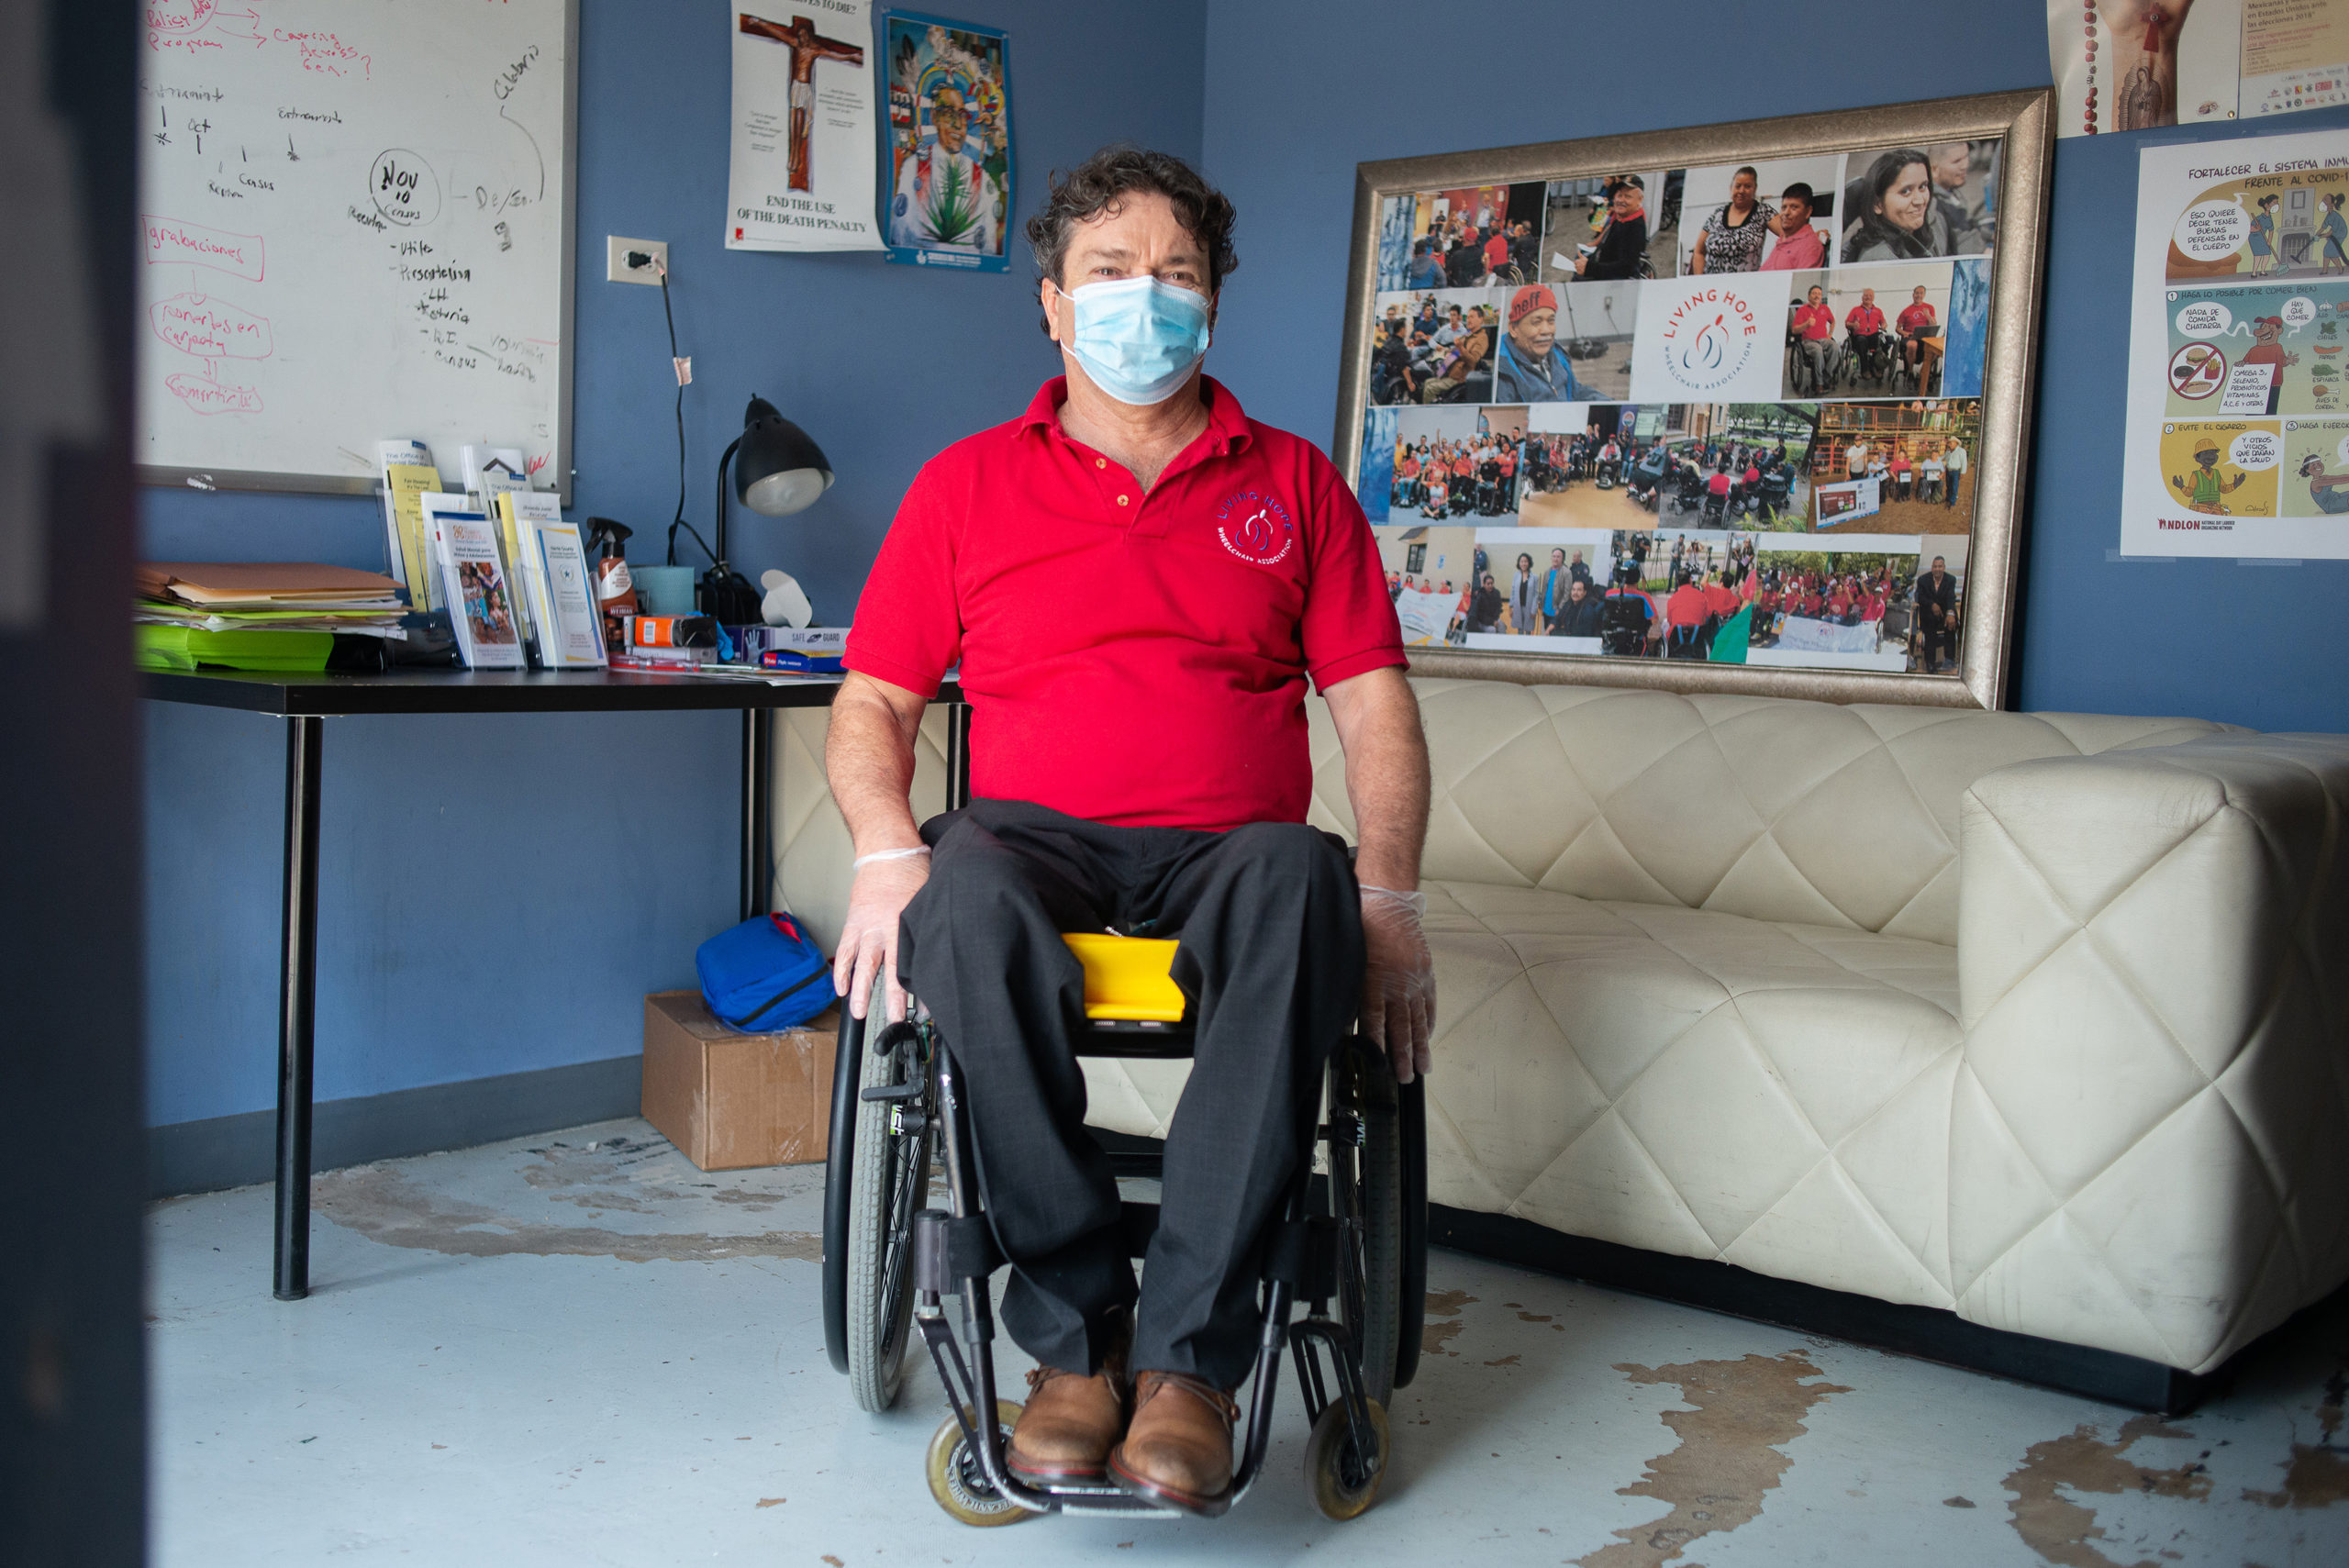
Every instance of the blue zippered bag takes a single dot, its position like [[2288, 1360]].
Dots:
[[764, 974]]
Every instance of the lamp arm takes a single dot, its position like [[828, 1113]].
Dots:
[[731, 448]]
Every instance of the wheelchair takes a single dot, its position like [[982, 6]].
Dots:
[[1798, 371], [1688, 494], [1349, 1242]]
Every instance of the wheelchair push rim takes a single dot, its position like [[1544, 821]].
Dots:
[[877, 1176]]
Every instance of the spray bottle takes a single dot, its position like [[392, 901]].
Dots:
[[614, 589]]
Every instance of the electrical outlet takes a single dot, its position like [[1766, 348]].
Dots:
[[615, 254]]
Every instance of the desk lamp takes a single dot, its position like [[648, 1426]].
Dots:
[[780, 471]]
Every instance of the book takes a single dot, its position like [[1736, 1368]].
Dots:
[[490, 470], [474, 585], [561, 591], [405, 471], [514, 550]]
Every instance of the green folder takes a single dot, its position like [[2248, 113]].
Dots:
[[185, 646]]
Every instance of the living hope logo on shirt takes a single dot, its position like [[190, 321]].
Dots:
[[1255, 527]]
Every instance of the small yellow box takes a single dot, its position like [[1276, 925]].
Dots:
[[1128, 978]]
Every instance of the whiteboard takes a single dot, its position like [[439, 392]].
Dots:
[[356, 225]]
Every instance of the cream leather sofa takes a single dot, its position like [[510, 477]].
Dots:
[[2038, 1020]]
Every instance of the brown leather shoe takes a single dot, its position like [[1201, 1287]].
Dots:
[[1070, 1421], [1178, 1446]]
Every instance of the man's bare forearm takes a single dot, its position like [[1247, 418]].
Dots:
[[869, 761], [1387, 776]]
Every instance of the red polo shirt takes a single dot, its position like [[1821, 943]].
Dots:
[[1132, 658]]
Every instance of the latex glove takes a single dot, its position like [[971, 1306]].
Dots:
[[1398, 980], [885, 883]]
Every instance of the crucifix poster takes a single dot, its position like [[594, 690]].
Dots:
[[946, 191], [801, 174]]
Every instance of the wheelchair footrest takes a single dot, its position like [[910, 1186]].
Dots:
[[947, 1251]]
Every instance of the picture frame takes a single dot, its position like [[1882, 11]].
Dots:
[[941, 207], [1665, 374]]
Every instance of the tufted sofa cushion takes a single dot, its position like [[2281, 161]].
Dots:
[[1767, 807]]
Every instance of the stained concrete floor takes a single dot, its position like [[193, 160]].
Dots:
[[577, 1349]]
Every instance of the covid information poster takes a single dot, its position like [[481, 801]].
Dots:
[[2238, 433]]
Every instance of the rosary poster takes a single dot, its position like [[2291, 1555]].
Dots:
[[2137, 64], [801, 170], [2238, 432], [946, 185]]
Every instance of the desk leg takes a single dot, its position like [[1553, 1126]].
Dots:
[[297, 1006], [758, 876]]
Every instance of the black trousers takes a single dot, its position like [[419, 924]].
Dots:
[[1272, 957]]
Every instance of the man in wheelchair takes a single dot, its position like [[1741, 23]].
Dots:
[[1136, 581], [1865, 336]]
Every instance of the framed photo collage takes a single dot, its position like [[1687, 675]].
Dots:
[[1731, 408]]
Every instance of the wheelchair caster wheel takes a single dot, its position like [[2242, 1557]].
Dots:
[[956, 1481], [1342, 1482]]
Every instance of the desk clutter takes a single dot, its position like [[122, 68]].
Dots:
[[495, 559], [490, 577], [292, 616]]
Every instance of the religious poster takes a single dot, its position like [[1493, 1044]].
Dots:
[[2135, 64], [946, 181], [1668, 412], [2238, 433], [800, 175]]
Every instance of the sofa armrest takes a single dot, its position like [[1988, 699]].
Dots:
[[2150, 1133]]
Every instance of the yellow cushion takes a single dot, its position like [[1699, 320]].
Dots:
[[1126, 978]]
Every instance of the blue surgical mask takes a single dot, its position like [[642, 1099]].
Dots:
[[1138, 339]]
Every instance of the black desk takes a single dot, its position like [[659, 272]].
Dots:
[[304, 701]]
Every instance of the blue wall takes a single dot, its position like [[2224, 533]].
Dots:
[[497, 893], [1329, 87]]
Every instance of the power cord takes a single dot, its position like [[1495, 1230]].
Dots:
[[685, 372]]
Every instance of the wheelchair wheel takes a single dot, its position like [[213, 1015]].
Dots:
[[1343, 1481], [889, 1182], [1367, 1189], [956, 1481]]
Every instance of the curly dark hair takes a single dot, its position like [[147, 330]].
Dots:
[[1100, 182]]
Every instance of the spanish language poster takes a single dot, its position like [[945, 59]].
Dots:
[[2238, 433]]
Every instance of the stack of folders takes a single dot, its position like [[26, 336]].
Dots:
[[258, 616]]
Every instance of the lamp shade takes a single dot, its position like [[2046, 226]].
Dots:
[[778, 470]]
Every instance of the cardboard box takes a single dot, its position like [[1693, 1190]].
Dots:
[[731, 1101]]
